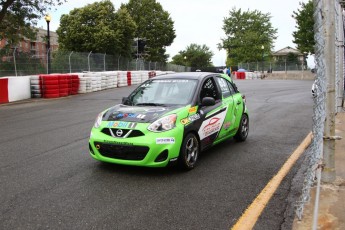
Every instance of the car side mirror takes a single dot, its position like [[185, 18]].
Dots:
[[208, 101], [125, 101]]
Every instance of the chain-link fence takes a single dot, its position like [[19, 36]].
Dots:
[[329, 58], [269, 66], [20, 64]]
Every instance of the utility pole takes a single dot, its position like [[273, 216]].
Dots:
[[328, 173]]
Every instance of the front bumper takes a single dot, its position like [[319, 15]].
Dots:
[[148, 149]]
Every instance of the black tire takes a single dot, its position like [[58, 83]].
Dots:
[[189, 152], [243, 130]]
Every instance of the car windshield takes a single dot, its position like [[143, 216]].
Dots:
[[161, 92]]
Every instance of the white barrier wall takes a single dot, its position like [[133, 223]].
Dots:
[[25, 87], [18, 88]]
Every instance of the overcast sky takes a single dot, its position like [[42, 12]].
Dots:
[[201, 21]]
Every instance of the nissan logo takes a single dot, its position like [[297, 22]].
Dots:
[[119, 132]]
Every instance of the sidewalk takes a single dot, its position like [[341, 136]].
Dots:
[[331, 213]]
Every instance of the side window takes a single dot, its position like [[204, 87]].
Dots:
[[209, 89], [226, 92], [231, 87]]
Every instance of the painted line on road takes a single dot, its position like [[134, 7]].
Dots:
[[252, 213]]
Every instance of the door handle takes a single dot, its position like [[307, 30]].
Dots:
[[238, 102]]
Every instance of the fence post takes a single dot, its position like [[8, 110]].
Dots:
[[104, 61], [118, 63], [14, 60], [328, 174], [69, 61], [88, 60]]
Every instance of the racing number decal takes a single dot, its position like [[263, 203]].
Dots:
[[212, 125]]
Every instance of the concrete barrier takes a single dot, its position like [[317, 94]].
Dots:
[[291, 75], [14, 89]]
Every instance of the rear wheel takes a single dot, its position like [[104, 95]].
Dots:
[[243, 130], [189, 152]]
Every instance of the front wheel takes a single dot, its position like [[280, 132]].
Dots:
[[189, 151], [243, 130]]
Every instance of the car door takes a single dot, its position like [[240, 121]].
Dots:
[[229, 103], [212, 117], [239, 105]]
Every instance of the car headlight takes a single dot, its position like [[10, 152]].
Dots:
[[98, 120], [163, 124]]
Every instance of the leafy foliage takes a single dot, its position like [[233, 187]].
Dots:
[[18, 17], [155, 25], [194, 56], [97, 28], [247, 33], [304, 36]]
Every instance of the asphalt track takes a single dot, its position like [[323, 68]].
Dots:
[[49, 181]]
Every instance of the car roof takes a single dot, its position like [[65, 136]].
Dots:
[[185, 75]]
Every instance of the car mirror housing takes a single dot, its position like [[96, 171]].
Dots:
[[125, 100], [208, 101]]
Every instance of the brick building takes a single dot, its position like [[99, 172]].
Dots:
[[38, 47]]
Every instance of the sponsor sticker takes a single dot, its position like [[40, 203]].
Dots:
[[226, 125], [132, 125], [173, 80], [116, 142], [190, 119], [124, 115], [141, 116], [193, 109], [211, 125], [121, 124], [165, 140]]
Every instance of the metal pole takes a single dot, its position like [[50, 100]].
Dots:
[[328, 174], [14, 59], [48, 46], [302, 70], [270, 67], [104, 61], [118, 63], [69, 60], [317, 197], [341, 86], [48, 69], [88, 60]]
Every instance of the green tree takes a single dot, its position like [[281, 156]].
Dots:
[[155, 25], [18, 17], [304, 36], [198, 56], [246, 34], [97, 28], [179, 59]]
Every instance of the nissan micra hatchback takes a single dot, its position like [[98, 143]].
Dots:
[[170, 119]]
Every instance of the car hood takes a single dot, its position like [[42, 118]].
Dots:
[[141, 114]]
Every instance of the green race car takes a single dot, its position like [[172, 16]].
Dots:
[[170, 119]]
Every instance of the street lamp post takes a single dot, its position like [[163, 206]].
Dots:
[[48, 19], [262, 48]]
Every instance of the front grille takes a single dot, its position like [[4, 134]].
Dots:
[[126, 133], [122, 152]]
